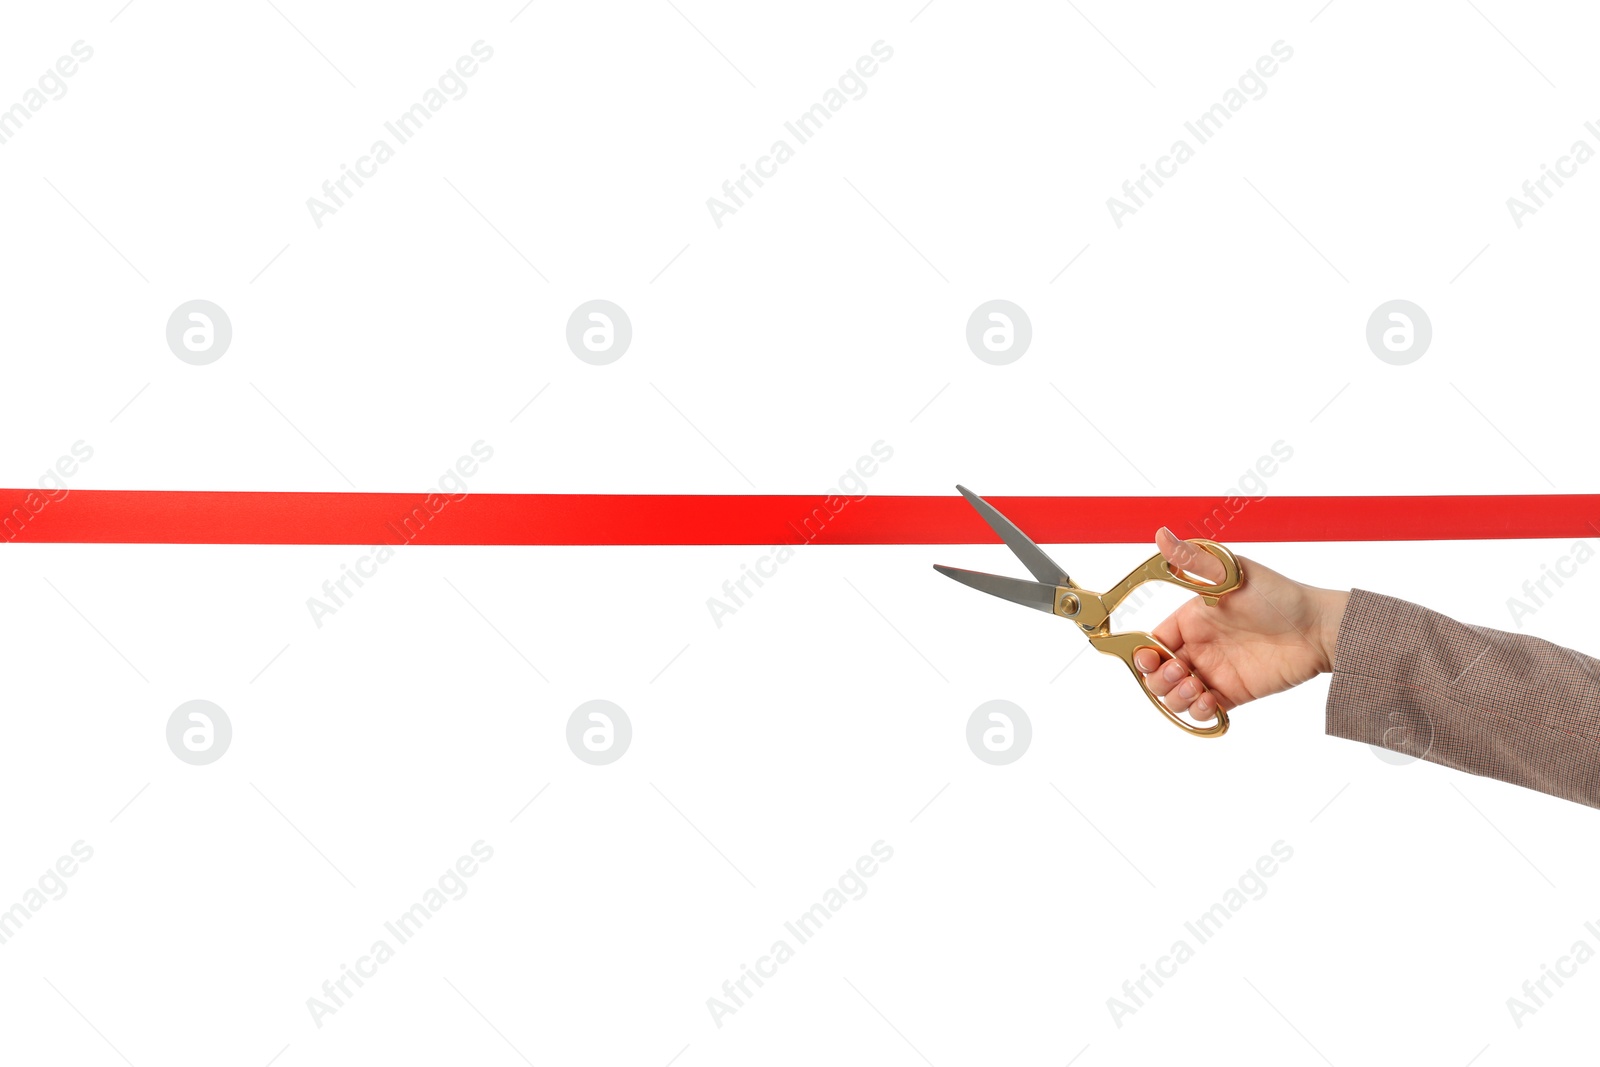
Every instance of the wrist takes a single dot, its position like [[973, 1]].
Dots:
[[1330, 614]]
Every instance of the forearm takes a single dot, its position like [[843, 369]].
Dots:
[[1484, 701]]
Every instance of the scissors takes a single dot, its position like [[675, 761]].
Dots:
[[1060, 595]]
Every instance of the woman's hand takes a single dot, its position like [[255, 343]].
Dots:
[[1269, 635]]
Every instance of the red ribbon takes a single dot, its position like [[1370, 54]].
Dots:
[[199, 517]]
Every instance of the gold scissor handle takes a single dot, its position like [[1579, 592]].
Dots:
[[1124, 646], [1157, 569]]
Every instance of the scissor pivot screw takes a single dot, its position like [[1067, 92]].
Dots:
[[1068, 604]]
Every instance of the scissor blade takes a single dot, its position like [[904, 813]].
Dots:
[[1032, 556], [1017, 590]]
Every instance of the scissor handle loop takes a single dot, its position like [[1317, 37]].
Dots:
[[1157, 569], [1124, 646]]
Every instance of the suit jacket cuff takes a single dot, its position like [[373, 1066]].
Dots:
[[1376, 648]]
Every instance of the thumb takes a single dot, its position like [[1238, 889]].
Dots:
[[1186, 557]]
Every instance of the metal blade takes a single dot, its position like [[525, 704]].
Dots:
[[1017, 590], [1032, 556]]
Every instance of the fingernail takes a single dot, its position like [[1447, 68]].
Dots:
[[1173, 671], [1188, 688], [1202, 704]]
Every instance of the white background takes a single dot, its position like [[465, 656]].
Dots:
[[827, 314]]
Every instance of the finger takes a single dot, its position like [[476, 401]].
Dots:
[[1184, 694], [1171, 674], [1161, 677], [1186, 557]]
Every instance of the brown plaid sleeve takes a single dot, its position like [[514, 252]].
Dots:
[[1503, 705]]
